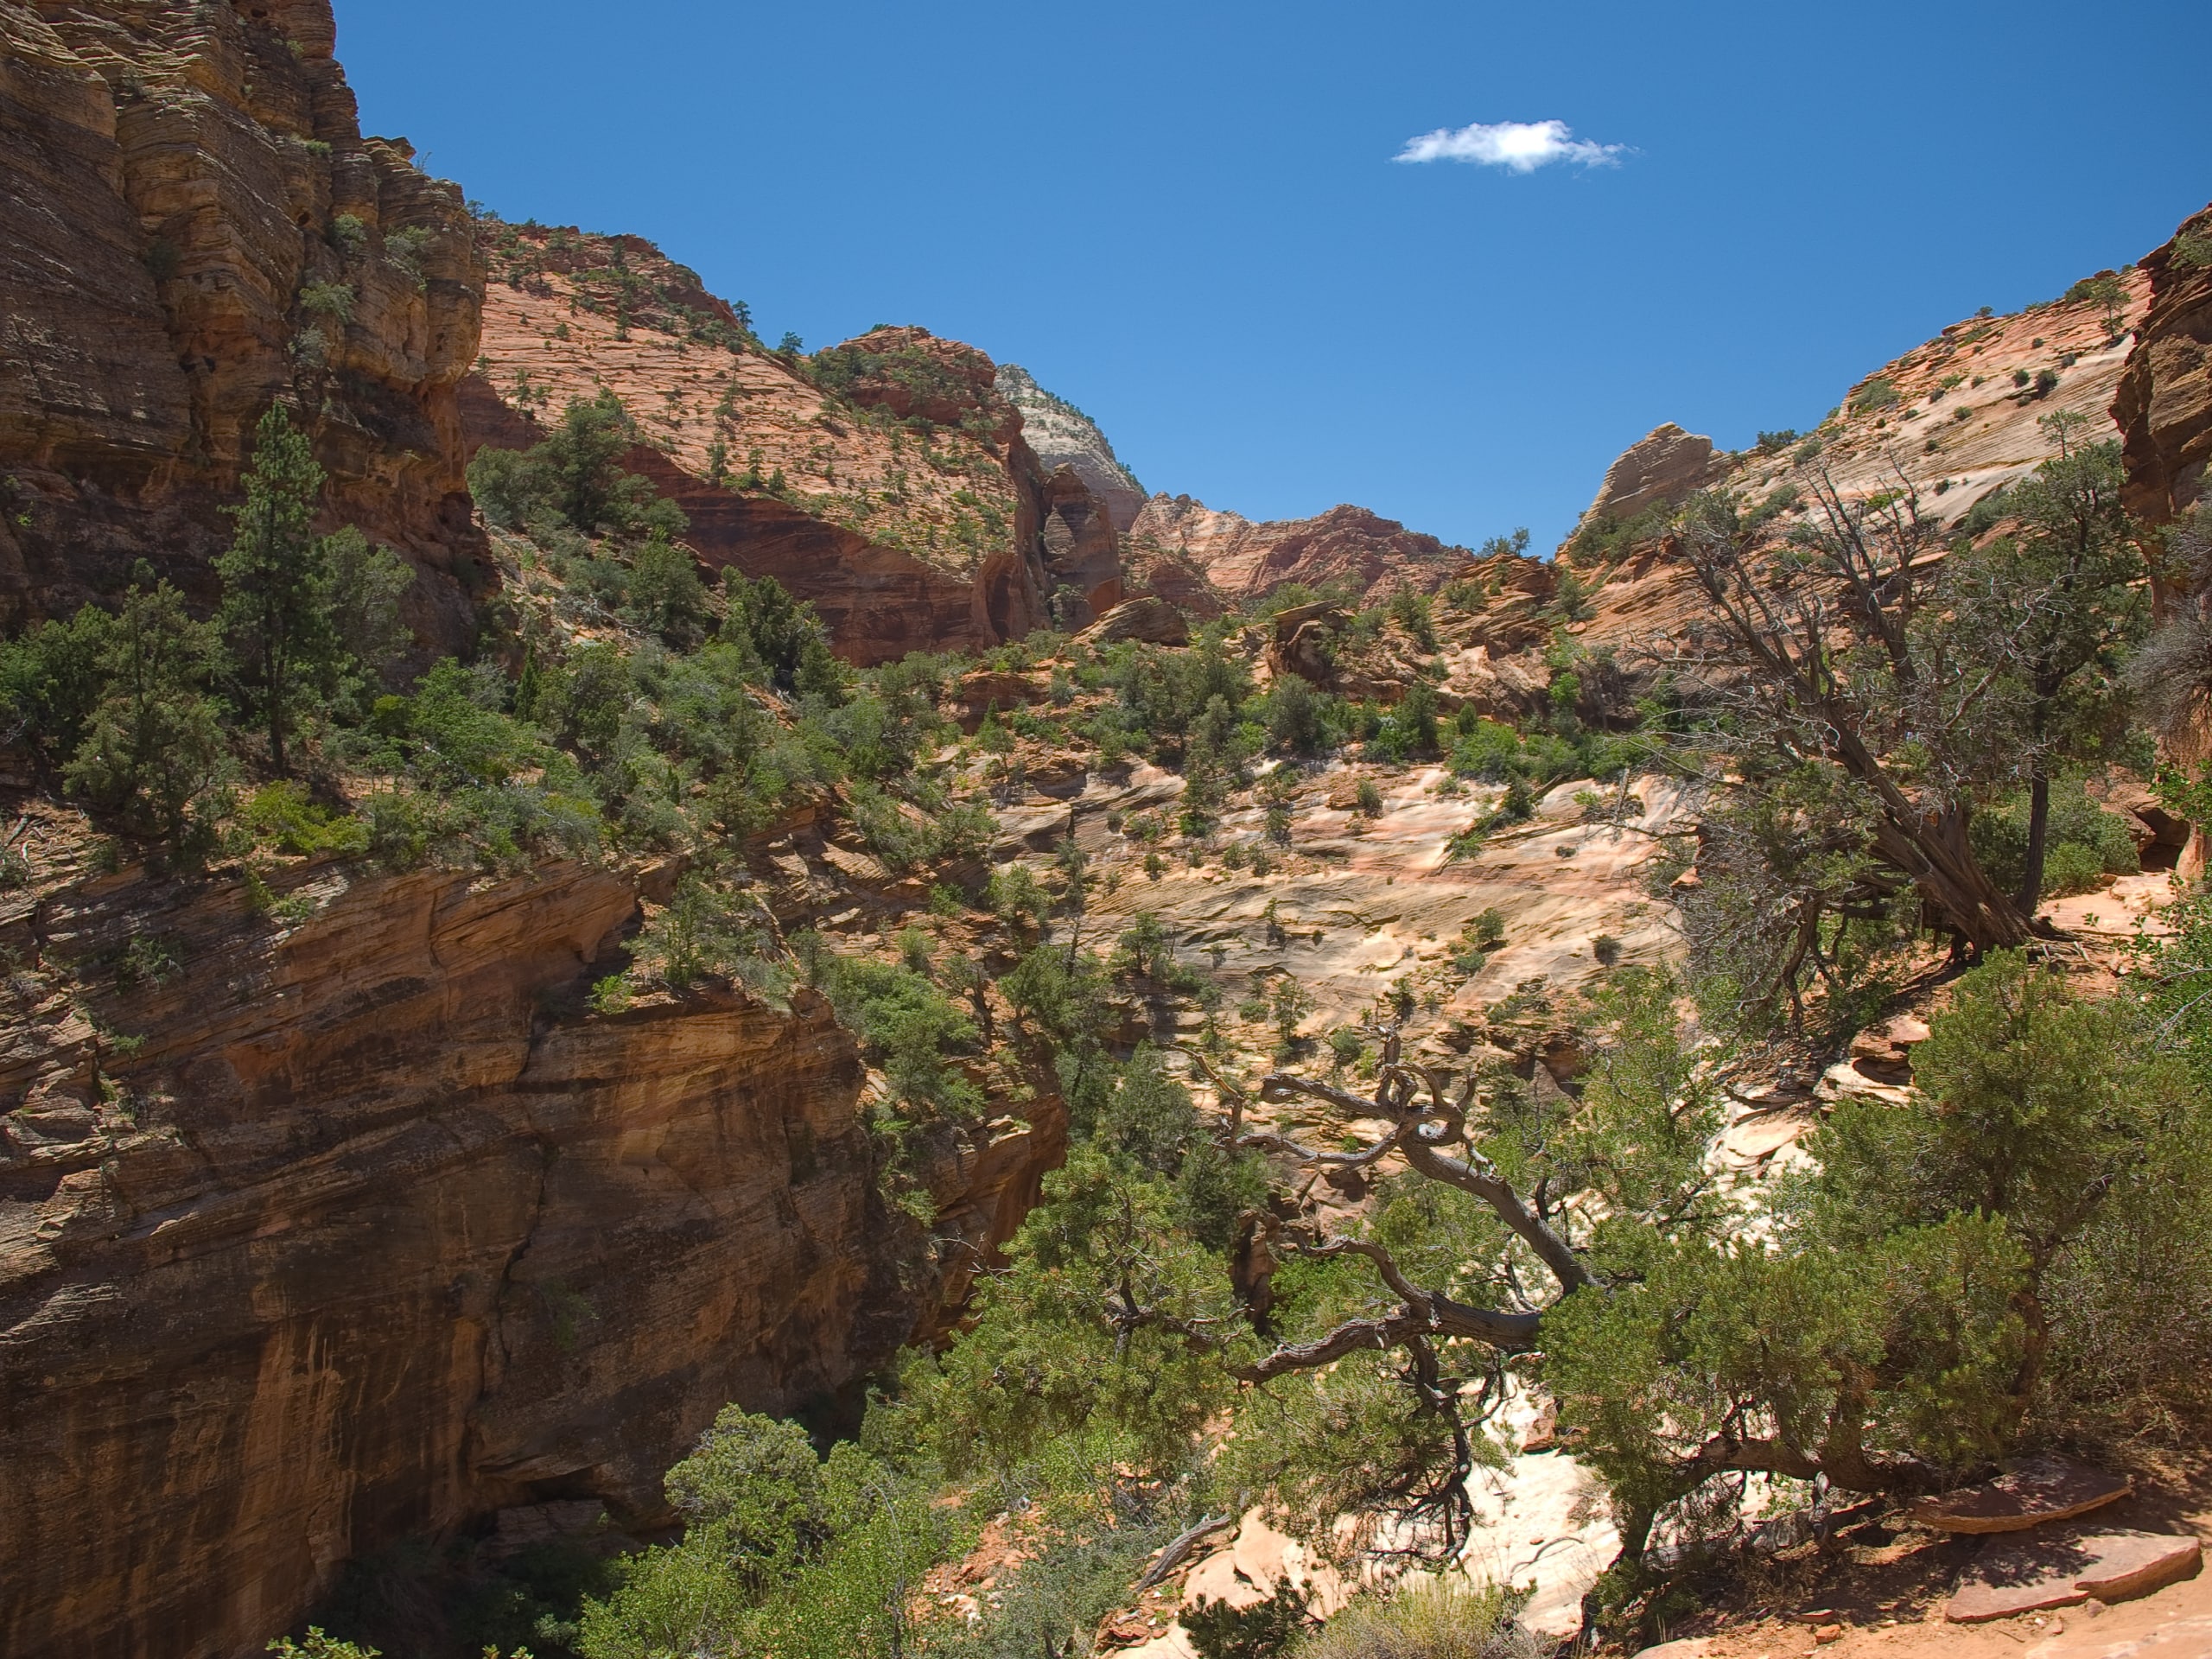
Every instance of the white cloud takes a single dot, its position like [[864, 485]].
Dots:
[[1518, 146]]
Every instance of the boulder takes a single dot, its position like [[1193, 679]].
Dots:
[[2027, 1575], [1884, 1052], [2038, 1490], [1153, 621], [1303, 635]]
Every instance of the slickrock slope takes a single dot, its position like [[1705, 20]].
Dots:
[[1965, 416], [1247, 560], [1063, 435], [191, 224], [380, 1230], [2165, 404], [885, 480]]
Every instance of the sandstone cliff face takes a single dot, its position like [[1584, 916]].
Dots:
[[2165, 401], [381, 1229], [175, 182], [885, 480], [1063, 435], [1246, 561]]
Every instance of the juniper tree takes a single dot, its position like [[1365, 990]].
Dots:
[[2050, 609]]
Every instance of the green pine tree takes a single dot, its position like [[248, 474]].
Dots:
[[154, 745], [274, 577]]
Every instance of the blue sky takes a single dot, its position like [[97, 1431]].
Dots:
[[1187, 218]]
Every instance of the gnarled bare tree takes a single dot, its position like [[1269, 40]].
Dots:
[[1829, 652]]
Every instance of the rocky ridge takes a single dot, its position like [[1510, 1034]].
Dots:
[[887, 480], [1063, 435], [1245, 562]]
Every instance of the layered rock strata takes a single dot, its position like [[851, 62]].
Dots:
[[1660, 469], [371, 1227], [1244, 561], [2165, 401], [885, 480], [191, 226]]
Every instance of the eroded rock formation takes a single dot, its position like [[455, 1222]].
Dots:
[[886, 480], [381, 1228], [1659, 470], [191, 226], [2165, 401], [1063, 435], [1247, 560]]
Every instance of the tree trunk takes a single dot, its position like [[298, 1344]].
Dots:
[[2030, 892], [1932, 849]]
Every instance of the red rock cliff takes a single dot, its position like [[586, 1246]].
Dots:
[[2165, 401], [192, 226], [381, 1229], [885, 480]]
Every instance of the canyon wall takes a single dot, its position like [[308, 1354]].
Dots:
[[192, 226], [885, 480], [2165, 401], [382, 1228], [1063, 435]]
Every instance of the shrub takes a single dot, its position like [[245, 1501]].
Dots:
[[909, 1027], [333, 301], [281, 814], [703, 931], [664, 592], [1425, 1618], [1262, 1630], [316, 1645], [153, 750], [1880, 393], [51, 681], [1015, 895], [1296, 716], [2084, 842]]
